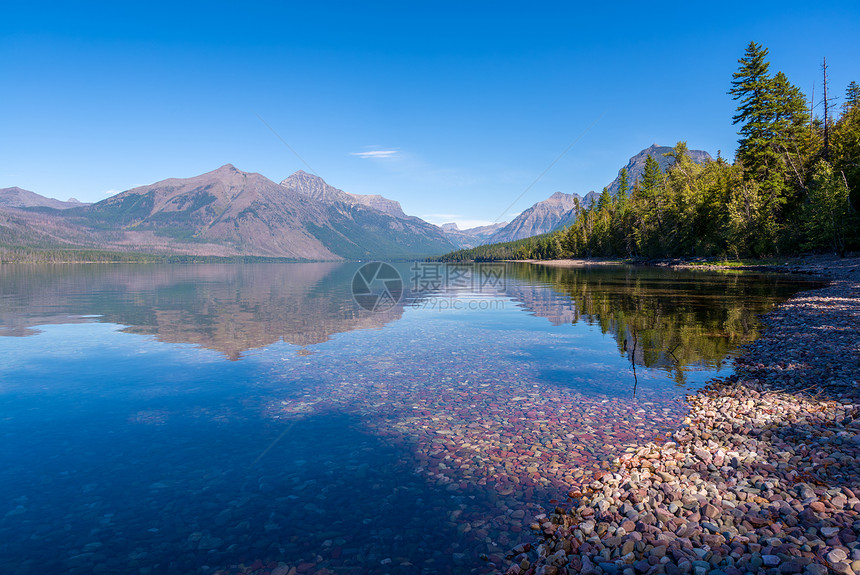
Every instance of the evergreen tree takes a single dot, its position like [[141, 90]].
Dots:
[[846, 143], [751, 86], [852, 96], [651, 231], [604, 201], [680, 154], [829, 218], [790, 115], [684, 205], [745, 208], [775, 148], [779, 195], [651, 177], [623, 184], [790, 138]]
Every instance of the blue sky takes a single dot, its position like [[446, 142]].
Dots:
[[452, 108]]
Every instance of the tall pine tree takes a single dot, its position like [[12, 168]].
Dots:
[[846, 144], [852, 96], [651, 235], [623, 185], [751, 86], [773, 149], [789, 132]]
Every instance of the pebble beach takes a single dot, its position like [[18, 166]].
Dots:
[[762, 477]]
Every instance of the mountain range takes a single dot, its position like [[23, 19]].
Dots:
[[561, 209], [540, 218], [471, 237], [228, 212], [17, 198]]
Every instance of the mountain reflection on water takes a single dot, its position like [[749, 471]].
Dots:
[[421, 439], [675, 320], [227, 308]]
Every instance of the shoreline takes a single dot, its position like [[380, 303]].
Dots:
[[825, 266], [573, 263], [764, 477]]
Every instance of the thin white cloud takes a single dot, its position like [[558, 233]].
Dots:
[[111, 192], [375, 154]]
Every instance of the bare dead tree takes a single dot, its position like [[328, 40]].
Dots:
[[633, 360], [812, 108], [826, 120]]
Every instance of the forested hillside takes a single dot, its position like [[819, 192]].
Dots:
[[794, 186]]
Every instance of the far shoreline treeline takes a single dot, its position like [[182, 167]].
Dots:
[[19, 255], [794, 187], [84, 256]]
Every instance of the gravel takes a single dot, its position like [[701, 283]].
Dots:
[[764, 475]]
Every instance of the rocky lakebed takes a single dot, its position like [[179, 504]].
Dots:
[[763, 477]]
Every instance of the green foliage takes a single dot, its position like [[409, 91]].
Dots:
[[649, 232], [529, 248], [845, 144], [670, 332], [796, 202], [778, 197], [623, 184], [829, 217], [749, 230], [775, 148], [750, 85], [852, 96], [119, 211]]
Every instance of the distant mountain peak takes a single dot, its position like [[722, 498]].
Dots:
[[226, 212], [301, 178], [539, 218], [636, 166], [470, 237], [317, 188], [561, 198], [303, 175], [16, 197], [560, 209]]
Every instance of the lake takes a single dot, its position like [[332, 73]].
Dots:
[[338, 418]]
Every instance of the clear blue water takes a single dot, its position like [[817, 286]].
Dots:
[[194, 419]]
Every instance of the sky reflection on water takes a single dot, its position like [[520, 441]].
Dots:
[[192, 418]]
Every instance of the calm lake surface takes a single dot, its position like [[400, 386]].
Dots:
[[203, 418]]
